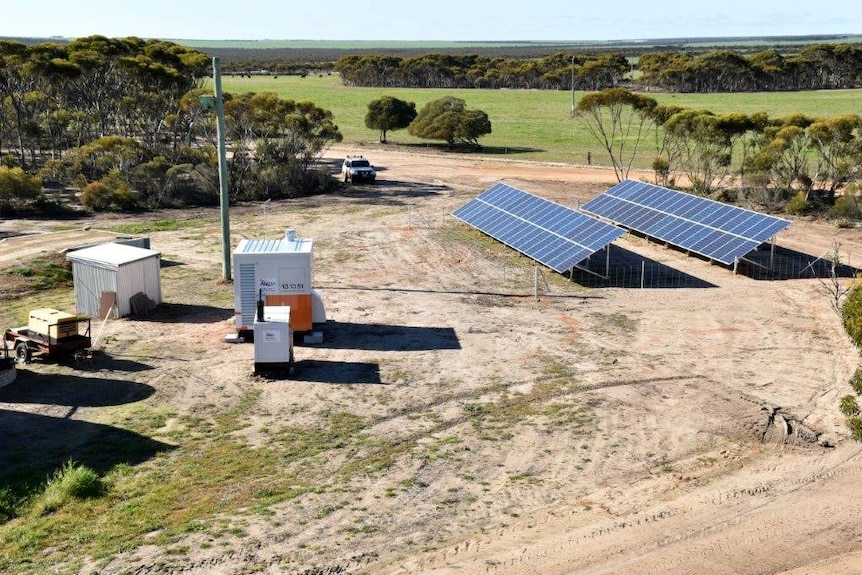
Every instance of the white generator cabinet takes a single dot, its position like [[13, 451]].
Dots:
[[273, 341], [279, 273]]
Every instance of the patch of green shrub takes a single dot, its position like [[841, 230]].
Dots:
[[70, 482], [111, 192], [7, 505], [44, 273], [798, 204], [851, 315], [856, 381], [855, 425], [16, 185], [847, 207], [849, 406]]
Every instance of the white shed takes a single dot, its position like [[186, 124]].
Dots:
[[110, 275]]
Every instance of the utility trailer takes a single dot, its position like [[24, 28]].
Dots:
[[48, 333]]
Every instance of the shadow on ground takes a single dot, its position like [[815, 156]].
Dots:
[[35, 445], [380, 337], [628, 269], [786, 264], [391, 192], [167, 312], [76, 390], [325, 371]]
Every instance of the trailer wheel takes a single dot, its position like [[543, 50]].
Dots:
[[22, 352]]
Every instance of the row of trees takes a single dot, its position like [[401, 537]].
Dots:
[[554, 72], [777, 157], [819, 66], [815, 67], [121, 119]]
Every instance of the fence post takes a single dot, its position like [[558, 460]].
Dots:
[[536, 282]]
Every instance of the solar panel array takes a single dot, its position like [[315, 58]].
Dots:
[[551, 234], [712, 229]]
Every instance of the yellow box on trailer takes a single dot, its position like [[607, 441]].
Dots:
[[52, 324]]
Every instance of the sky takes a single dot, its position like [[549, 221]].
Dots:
[[429, 20]]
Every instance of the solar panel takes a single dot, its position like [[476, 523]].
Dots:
[[551, 234], [712, 229]]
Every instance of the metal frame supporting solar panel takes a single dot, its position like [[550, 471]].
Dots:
[[549, 233], [715, 230]]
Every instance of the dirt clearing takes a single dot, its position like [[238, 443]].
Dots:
[[589, 431]]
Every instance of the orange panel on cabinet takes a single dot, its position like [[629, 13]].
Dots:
[[300, 309]]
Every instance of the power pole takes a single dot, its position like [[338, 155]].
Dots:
[[222, 171], [573, 85]]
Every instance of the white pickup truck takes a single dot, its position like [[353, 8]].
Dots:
[[357, 169]]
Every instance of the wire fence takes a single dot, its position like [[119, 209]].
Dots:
[[761, 265], [622, 268]]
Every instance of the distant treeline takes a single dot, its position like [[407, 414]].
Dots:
[[815, 67], [807, 67], [674, 65]]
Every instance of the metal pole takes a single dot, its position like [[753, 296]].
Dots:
[[536, 282], [771, 253], [573, 85], [222, 171]]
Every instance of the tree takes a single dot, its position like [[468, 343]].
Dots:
[[703, 142], [618, 120], [268, 130], [782, 153], [837, 145], [832, 286], [388, 113], [448, 119]]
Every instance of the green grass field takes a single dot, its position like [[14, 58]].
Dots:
[[528, 124]]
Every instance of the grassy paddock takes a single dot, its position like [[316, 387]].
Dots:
[[527, 124]]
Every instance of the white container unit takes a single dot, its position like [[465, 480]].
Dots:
[[273, 340], [107, 276], [279, 273]]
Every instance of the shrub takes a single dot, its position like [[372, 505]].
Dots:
[[855, 425], [661, 167], [56, 173], [96, 196], [849, 406], [727, 196], [856, 381], [7, 505], [189, 184], [112, 191], [851, 317], [847, 207], [70, 482], [17, 185], [798, 204]]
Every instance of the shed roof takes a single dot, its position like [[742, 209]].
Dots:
[[111, 253]]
